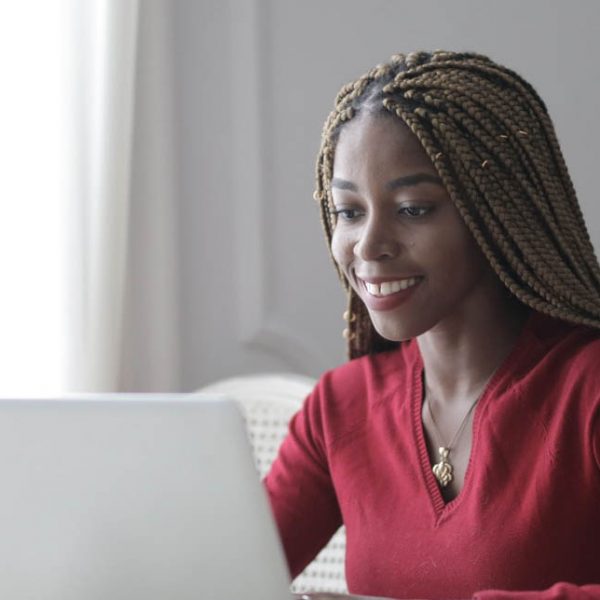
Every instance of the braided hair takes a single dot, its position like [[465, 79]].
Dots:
[[489, 136]]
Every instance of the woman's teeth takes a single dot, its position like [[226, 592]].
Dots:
[[390, 287]]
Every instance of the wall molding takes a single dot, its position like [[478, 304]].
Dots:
[[258, 328]]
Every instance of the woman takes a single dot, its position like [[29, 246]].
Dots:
[[461, 445]]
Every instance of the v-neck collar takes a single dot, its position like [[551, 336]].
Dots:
[[441, 508]]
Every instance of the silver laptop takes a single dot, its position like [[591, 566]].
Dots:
[[133, 498]]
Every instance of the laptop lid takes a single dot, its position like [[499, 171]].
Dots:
[[133, 497]]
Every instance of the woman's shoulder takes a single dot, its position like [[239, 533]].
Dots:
[[348, 395], [378, 372], [566, 354], [575, 343]]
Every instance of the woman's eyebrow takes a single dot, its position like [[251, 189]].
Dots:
[[343, 184], [415, 179], [406, 181]]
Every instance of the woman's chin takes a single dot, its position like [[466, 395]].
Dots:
[[392, 330]]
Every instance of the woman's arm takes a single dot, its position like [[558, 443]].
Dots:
[[300, 489], [559, 591]]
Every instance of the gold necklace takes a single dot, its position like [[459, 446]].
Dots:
[[444, 470]]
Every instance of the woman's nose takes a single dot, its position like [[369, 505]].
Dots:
[[377, 240]]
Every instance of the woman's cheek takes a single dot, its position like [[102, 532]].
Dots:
[[338, 248]]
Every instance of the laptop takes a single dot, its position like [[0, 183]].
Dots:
[[133, 497]]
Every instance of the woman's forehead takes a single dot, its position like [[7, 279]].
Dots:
[[378, 143]]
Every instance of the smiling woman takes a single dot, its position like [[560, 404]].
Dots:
[[396, 225], [461, 446], [488, 136]]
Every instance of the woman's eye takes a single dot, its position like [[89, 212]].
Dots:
[[414, 211], [347, 214]]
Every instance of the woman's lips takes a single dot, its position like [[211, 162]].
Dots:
[[388, 294]]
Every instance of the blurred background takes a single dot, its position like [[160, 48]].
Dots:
[[158, 231]]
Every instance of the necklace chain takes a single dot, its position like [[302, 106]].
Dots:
[[459, 431], [444, 470]]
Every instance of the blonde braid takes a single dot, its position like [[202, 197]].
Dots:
[[490, 138]]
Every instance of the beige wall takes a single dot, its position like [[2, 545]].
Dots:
[[252, 83]]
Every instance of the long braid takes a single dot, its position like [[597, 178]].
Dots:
[[490, 138]]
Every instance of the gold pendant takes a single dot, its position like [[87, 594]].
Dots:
[[443, 470]]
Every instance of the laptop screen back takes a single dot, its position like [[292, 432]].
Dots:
[[131, 498]]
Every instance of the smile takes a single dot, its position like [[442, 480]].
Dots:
[[386, 288]]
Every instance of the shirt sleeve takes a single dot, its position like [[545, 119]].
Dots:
[[559, 591], [596, 435], [300, 488]]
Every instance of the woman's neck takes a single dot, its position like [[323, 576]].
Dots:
[[461, 353]]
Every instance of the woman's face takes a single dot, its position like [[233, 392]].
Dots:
[[398, 238]]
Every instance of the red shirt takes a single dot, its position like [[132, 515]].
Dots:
[[528, 515]]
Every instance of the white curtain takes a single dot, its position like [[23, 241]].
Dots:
[[76, 149], [150, 334], [42, 173], [105, 205]]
